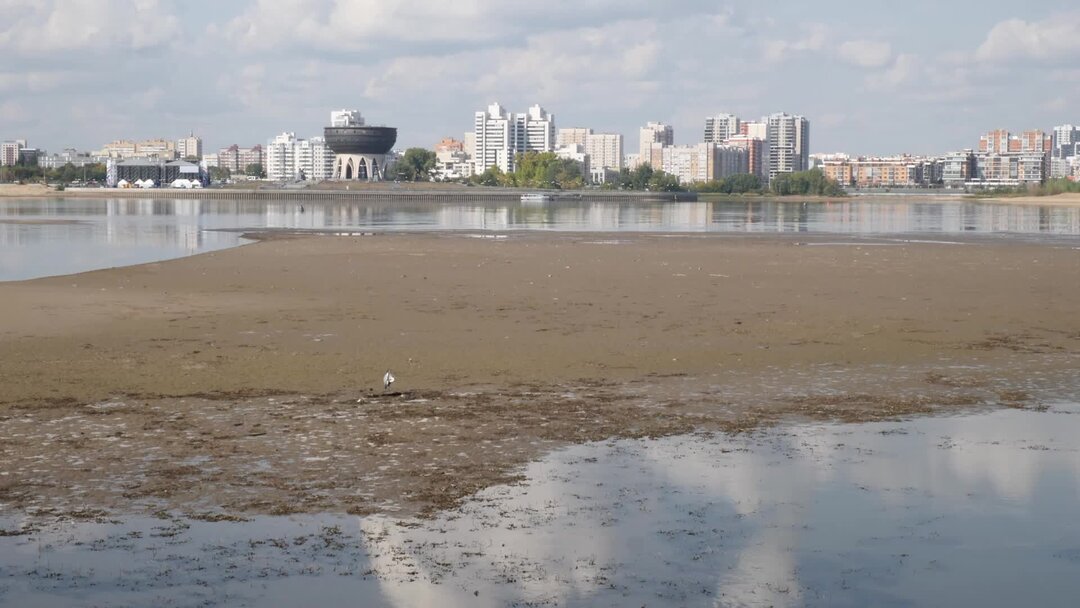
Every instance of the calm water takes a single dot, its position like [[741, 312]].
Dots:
[[91, 234], [972, 510]]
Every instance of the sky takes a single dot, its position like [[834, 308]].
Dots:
[[873, 77]]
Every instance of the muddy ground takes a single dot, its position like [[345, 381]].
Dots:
[[247, 381]]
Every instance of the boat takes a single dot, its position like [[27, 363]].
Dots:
[[536, 197]]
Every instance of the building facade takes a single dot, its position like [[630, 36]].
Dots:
[[237, 159], [189, 147], [160, 149], [500, 136], [289, 158], [787, 144], [721, 127], [9, 152], [653, 138]]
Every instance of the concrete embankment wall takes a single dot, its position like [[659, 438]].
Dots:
[[388, 194]]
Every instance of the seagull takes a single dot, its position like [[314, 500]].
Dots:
[[387, 380]]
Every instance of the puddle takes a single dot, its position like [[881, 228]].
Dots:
[[977, 509]]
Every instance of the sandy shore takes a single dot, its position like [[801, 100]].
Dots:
[[1068, 199], [229, 382]]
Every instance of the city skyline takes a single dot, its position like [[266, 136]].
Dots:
[[80, 74]]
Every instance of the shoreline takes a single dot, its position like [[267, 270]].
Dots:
[[176, 383]]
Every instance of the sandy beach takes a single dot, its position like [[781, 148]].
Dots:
[[248, 381]]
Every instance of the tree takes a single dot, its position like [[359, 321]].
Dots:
[[220, 174], [805, 183], [255, 170], [417, 164]]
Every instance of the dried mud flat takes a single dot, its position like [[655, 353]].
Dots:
[[225, 386]]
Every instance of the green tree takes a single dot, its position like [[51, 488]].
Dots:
[[220, 174], [805, 183], [417, 164], [255, 170]]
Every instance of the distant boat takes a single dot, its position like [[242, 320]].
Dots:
[[537, 197]]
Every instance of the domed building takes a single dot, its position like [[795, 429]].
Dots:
[[361, 153]]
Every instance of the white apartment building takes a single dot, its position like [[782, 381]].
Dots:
[[291, 159], [574, 136], [189, 147], [346, 118], [704, 162], [787, 144], [500, 136], [9, 153], [1065, 141], [654, 137], [605, 150], [721, 127]]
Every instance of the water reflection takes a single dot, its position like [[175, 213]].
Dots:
[[104, 233], [968, 510]]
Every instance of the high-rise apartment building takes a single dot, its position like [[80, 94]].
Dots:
[[721, 127], [346, 118], [500, 136], [290, 159], [755, 150], [654, 137], [605, 150], [703, 162], [574, 136], [9, 152], [1064, 144], [787, 144], [189, 147]]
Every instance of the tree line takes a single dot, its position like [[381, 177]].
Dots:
[[60, 175]]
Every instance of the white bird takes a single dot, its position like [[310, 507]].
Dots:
[[387, 380]]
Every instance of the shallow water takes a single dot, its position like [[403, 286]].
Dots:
[[975, 509], [108, 233]]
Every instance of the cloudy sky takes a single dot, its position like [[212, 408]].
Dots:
[[873, 77]]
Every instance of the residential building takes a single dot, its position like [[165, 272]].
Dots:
[[839, 170], [958, 168], [654, 137], [703, 162], [572, 136], [237, 159], [289, 158], [189, 147], [539, 129], [68, 156], [449, 144], [500, 136], [605, 150], [721, 127], [787, 144], [758, 130], [162, 149], [1064, 144], [9, 152], [755, 151], [346, 118]]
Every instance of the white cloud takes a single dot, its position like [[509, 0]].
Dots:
[[1054, 38], [903, 70], [549, 65], [86, 25], [865, 53], [815, 37]]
